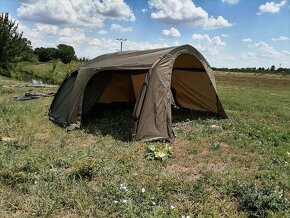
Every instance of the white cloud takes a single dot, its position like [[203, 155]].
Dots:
[[225, 35], [264, 54], [28, 1], [226, 57], [281, 38], [212, 23], [55, 30], [47, 29], [34, 36], [286, 52], [271, 7], [205, 43], [102, 32], [172, 32], [247, 40], [184, 11], [231, 1], [103, 45], [144, 10], [46, 35], [67, 35], [176, 43], [248, 55], [119, 28], [131, 45], [80, 13], [267, 50], [114, 9]]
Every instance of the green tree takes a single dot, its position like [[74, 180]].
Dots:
[[28, 54], [273, 68], [46, 54], [12, 45], [66, 53]]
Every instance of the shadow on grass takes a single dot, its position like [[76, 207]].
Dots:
[[183, 114], [113, 119], [116, 120]]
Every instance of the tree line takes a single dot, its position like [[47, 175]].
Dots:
[[271, 69]]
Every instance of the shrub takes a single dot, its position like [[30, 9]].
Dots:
[[259, 201], [7, 90]]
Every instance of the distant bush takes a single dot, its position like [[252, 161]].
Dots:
[[46, 54], [6, 90], [63, 52], [52, 76]]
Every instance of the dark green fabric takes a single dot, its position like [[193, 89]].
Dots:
[[152, 113]]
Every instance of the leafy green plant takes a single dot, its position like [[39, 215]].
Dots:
[[214, 145], [85, 169], [15, 74], [259, 201], [72, 65], [158, 153]]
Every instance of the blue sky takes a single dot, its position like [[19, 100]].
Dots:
[[229, 33]]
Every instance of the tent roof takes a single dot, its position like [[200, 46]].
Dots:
[[133, 59]]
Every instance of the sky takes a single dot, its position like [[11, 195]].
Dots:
[[229, 33]]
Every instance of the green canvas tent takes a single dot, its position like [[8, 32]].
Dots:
[[152, 79]]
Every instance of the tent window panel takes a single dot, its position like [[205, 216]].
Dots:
[[193, 90]]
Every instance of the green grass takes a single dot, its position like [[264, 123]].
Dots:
[[237, 167], [40, 66], [52, 72]]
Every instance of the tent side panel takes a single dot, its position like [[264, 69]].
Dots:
[[60, 106], [75, 109], [154, 122]]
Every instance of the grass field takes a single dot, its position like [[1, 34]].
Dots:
[[237, 167], [52, 72]]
